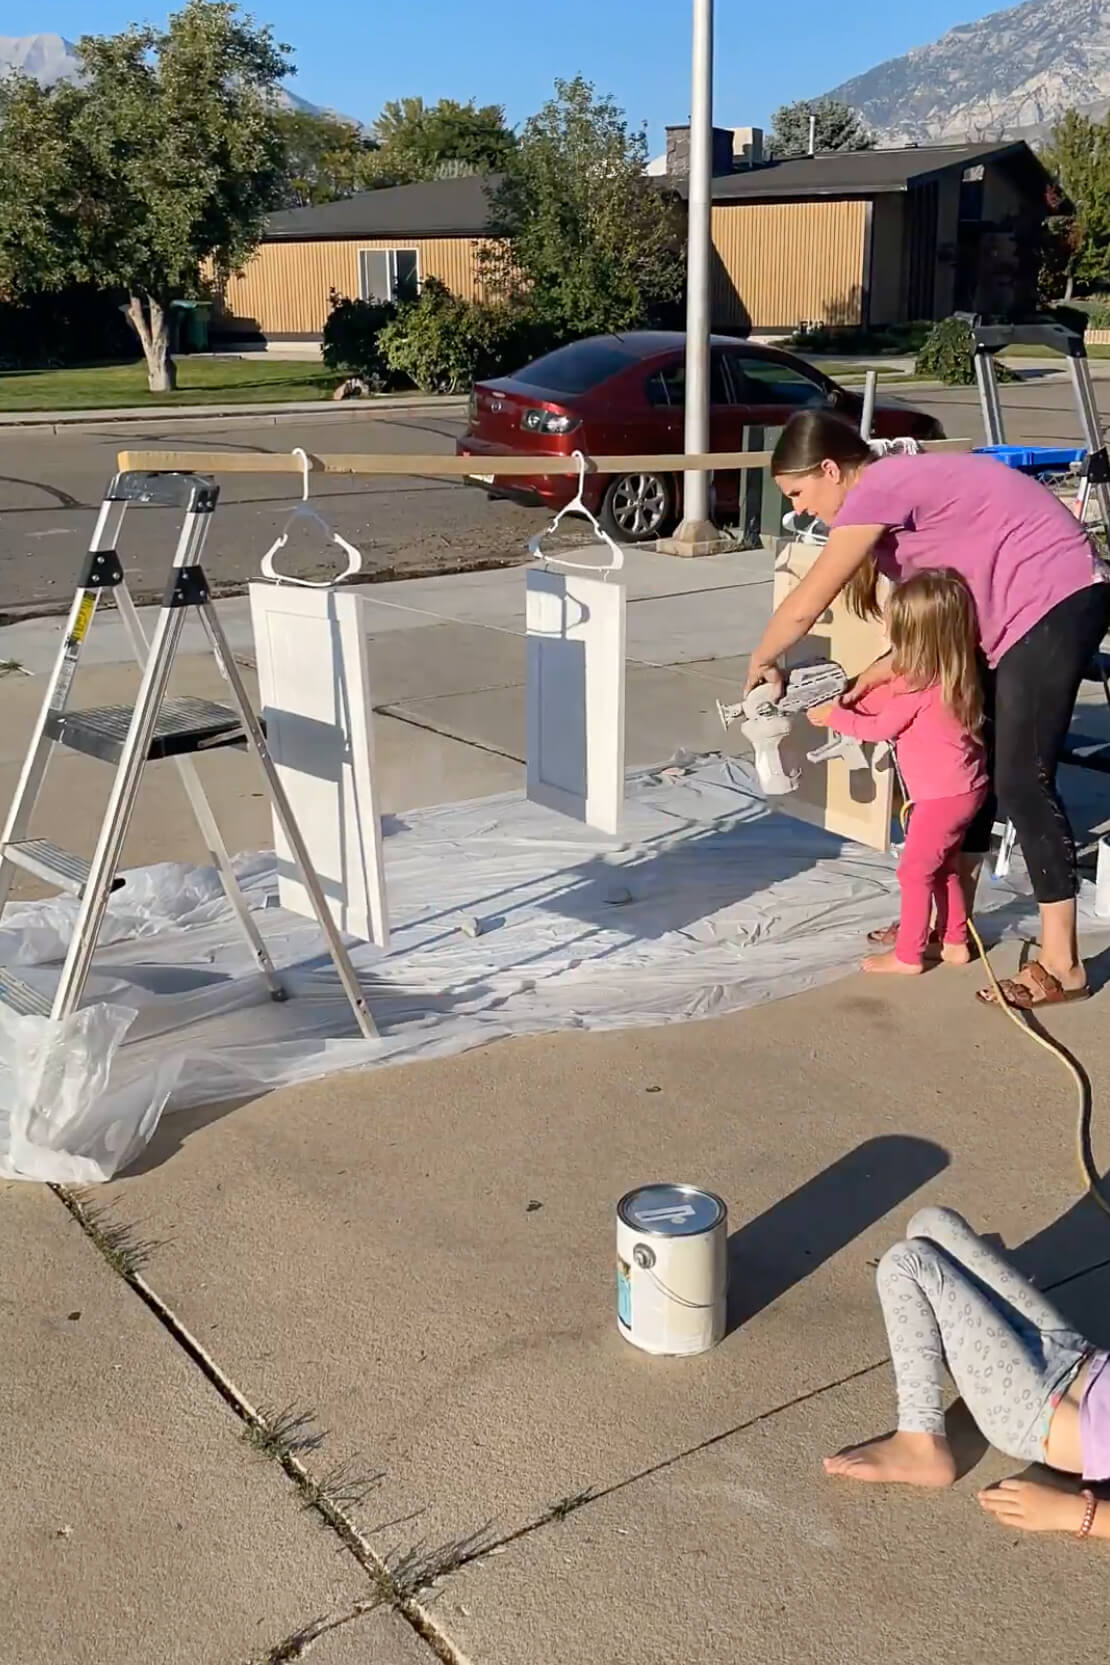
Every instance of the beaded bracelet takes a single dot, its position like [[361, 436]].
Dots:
[[1088, 1514]]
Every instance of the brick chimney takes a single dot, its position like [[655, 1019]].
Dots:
[[678, 151]]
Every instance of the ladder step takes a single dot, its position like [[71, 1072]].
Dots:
[[50, 862], [184, 725], [21, 997]]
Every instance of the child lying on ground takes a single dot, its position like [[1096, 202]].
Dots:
[[932, 709], [1036, 1389]]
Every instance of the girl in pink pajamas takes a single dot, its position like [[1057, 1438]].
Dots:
[[932, 710]]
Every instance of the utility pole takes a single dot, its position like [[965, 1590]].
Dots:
[[697, 535]]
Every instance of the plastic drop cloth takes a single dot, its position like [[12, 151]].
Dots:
[[507, 920]]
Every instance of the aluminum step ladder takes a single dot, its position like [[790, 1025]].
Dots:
[[990, 339], [127, 738]]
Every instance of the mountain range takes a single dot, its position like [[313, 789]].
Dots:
[[1010, 75], [52, 58]]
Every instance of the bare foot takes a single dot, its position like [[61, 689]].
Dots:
[[897, 1460], [956, 953], [891, 963], [1027, 1507]]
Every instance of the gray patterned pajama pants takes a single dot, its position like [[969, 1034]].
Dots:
[[950, 1299]]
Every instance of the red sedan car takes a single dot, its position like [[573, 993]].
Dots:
[[623, 394]]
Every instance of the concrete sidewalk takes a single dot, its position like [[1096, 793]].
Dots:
[[420, 1262], [259, 414]]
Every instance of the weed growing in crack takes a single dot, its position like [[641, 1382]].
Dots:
[[287, 1432], [567, 1505], [418, 1568], [118, 1241], [346, 1485], [296, 1646]]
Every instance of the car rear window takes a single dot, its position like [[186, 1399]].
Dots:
[[577, 368]]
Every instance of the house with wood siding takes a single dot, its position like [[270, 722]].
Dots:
[[846, 238]]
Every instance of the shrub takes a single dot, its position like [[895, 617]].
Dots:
[[843, 339], [352, 338], [948, 355], [443, 344], [1095, 311]]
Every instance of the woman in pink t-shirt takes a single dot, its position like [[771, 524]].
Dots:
[[1042, 610]]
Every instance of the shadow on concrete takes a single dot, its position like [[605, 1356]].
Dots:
[[796, 1235]]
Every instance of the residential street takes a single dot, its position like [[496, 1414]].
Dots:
[[50, 485]]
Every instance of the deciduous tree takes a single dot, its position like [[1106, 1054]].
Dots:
[[582, 237], [164, 158]]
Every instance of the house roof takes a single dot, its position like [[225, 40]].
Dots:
[[861, 172], [463, 207], [436, 208]]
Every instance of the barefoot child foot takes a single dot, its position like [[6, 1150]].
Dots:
[[1028, 1507], [953, 1303], [956, 953], [891, 963], [900, 1459]]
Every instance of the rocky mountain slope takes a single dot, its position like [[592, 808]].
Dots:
[[1012, 74], [51, 58]]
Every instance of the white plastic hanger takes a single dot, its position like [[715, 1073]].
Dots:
[[304, 511], [577, 506]]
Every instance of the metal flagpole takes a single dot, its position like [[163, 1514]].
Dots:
[[696, 527]]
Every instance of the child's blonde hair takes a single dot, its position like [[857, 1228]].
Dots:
[[934, 636]]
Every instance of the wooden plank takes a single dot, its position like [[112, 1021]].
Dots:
[[314, 683], [853, 805], [575, 695], [361, 462]]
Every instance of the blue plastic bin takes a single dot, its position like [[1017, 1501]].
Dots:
[[1034, 459]]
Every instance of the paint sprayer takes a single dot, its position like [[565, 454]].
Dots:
[[767, 723]]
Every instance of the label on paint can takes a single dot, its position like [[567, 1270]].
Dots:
[[624, 1293]]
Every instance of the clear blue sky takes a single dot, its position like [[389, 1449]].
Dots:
[[353, 56]]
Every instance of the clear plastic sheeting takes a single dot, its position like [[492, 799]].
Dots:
[[509, 920]]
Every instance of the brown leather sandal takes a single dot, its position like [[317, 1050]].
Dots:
[[1047, 990]]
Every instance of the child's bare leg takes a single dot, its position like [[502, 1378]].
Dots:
[[938, 1314]]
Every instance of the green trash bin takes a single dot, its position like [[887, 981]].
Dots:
[[198, 326], [189, 326]]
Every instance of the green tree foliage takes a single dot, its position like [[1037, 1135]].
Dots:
[[838, 127], [1078, 157], [581, 238], [417, 141], [326, 158], [443, 344], [165, 159]]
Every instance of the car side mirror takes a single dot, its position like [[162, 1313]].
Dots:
[[835, 398]]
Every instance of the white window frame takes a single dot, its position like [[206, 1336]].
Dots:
[[391, 268]]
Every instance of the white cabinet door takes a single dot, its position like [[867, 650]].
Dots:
[[576, 628], [314, 683]]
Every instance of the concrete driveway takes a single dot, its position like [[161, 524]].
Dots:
[[334, 1375]]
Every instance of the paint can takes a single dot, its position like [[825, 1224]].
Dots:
[[672, 1269], [1102, 879]]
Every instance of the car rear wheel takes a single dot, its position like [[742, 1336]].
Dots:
[[638, 506]]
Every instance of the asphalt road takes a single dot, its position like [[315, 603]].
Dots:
[[50, 485]]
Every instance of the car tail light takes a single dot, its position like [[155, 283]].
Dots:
[[549, 422]]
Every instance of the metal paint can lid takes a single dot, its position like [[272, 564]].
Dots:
[[671, 1210]]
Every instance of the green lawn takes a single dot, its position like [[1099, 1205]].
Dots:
[[200, 381]]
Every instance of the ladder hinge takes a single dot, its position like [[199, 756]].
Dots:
[[187, 587], [102, 571], [1097, 468]]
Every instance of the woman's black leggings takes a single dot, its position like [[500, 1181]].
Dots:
[[1030, 697]]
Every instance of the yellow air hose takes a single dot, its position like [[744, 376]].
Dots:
[[1087, 1168]]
